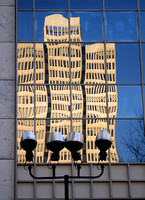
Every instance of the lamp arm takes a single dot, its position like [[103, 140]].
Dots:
[[62, 177], [40, 177], [90, 177]]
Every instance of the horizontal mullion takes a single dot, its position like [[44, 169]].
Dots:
[[83, 84], [85, 118], [82, 10]]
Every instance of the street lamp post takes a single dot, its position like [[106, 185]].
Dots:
[[73, 142]]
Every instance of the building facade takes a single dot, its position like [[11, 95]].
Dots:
[[126, 109]]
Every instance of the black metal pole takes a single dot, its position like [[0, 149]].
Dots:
[[78, 168], [53, 167], [66, 191]]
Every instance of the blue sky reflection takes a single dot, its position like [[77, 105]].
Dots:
[[129, 101], [121, 26]]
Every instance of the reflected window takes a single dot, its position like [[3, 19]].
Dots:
[[47, 26]]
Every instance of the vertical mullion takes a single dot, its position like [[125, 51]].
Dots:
[[91, 182], [141, 65], [70, 86], [15, 145], [69, 39], [129, 185], [106, 84], [34, 189]]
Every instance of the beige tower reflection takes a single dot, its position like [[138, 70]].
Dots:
[[96, 96], [62, 96], [25, 96]]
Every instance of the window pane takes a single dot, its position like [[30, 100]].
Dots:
[[49, 4], [114, 157], [25, 99], [40, 63], [142, 4], [25, 26], [62, 126], [143, 61], [142, 25], [120, 4], [93, 127], [22, 126], [91, 25], [81, 4], [25, 63], [129, 102], [127, 63], [53, 102], [121, 26], [51, 26], [25, 4], [130, 142]]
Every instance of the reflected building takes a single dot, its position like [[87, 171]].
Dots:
[[25, 96], [96, 106], [59, 64], [66, 100]]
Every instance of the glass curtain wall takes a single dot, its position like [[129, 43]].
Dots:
[[80, 67]]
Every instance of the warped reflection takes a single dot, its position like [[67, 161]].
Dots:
[[59, 64]]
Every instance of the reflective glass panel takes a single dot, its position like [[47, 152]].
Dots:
[[91, 25], [51, 26], [25, 27], [124, 64], [43, 127], [81, 4], [95, 104], [142, 25], [129, 137], [53, 101], [22, 126], [93, 127], [121, 26], [144, 93], [49, 4], [25, 101], [128, 103], [142, 4], [40, 62], [143, 60], [120, 4], [25, 4], [114, 156], [25, 63]]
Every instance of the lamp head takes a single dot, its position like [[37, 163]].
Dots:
[[28, 143], [74, 142], [55, 143], [103, 142]]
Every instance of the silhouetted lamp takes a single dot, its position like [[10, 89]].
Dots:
[[28, 143], [103, 142], [54, 143], [74, 143]]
